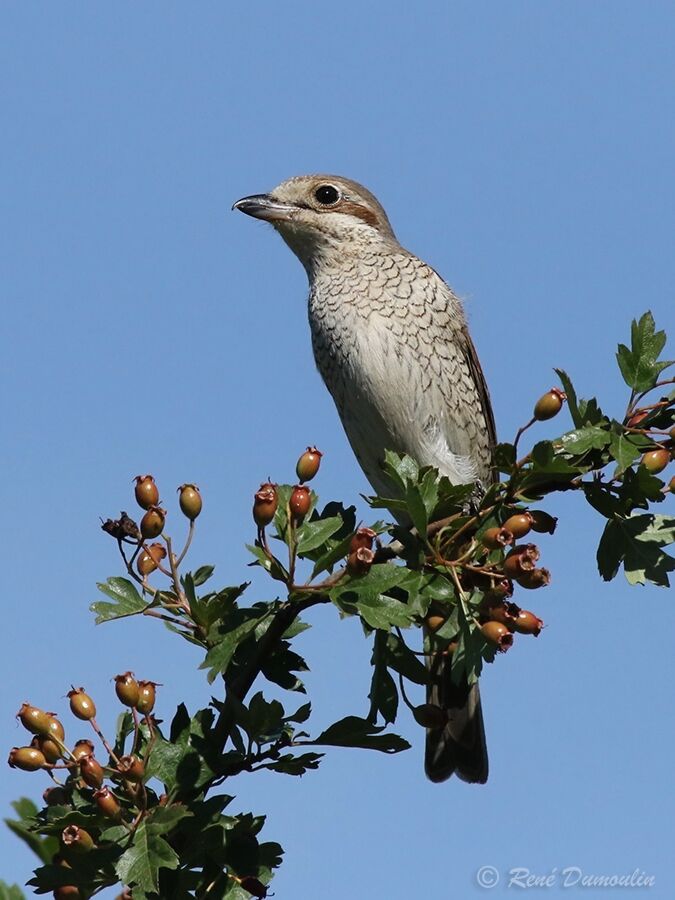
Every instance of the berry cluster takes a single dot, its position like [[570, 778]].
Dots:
[[113, 791]]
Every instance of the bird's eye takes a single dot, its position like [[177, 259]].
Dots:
[[327, 195]]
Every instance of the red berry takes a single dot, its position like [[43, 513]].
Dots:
[[56, 796], [636, 418], [152, 523], [519, 524], [655, 461], [146, 491], [535, 579], [190, 501], [359, 561], [497, 634], [363, 537], [504, 612], [527, 623], [520, 560], [126, 688], [131, 768], [265, 502], [496, 538], [91, 771], [299, 503], [107, 803], [308, 464], [671, 485], [81, 704], [428, 715], [549, 404], [83, 747], [29, 759]]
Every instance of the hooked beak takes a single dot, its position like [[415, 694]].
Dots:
[[262, 206]]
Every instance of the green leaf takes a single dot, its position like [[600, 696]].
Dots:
[[624, 448], [231, 632], [43, 847], [355, 732], [126, 600], [639, 365], [11, 892], [330, 557], [141, 863], [383, 694], [581, 440], [313, 535], [384, 612], [504, 458], [568, 387], [202, 575], [401, 659], [265, 718], [288, 764], [636, 542]]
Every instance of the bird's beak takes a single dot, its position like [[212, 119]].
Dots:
[[262, 206]]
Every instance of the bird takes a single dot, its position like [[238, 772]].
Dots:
[[391, 342]]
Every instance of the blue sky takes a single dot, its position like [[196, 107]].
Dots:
[[525, 150]]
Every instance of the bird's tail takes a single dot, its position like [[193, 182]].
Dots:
[[459, 746]]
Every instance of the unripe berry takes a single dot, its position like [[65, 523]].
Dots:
[[308, 464], [34, 719], [146, 697], [363, 537], [671, 485], [655, 461], [91, 771], [428, 715], [126, 688], [146, 491], [81, 705], [542, 522], [519, 524], [76, 839], [83, 747], [527, 623], [265, 502], [299, 503], [107, 803], [152, 523], [149, 559], [537, 578], [495, 538], [55, 731], [549, 404], [190, 501], [131, 768], [29, 759], [49, 748], [359, 561], [498, 635]]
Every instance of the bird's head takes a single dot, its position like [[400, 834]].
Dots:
[[322, 217]]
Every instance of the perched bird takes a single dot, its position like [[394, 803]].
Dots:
[[391, 342]]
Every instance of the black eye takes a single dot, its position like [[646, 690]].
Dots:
[[327, 195]]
